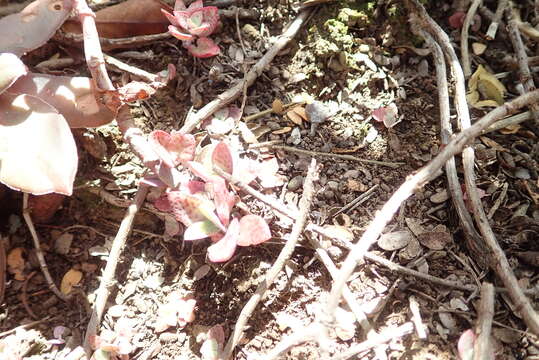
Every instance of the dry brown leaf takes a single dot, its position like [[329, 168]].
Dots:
[[492, 144], [70, 279], [300, 110], [485, 89], [511, 129], [15, 263], [284, 130], [294, 117], [277, 106]]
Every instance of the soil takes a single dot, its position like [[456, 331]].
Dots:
[[352, 58]]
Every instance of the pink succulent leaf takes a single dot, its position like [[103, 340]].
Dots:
[[465, 345], [167, 316], [192, 187], [221, 114], [172, 226], [207, 208], [73, 97], [169, 175], [186, 311], [220, 127], [217, 237], [185, 208], [179, 5], [37, 152], [204, 48], [33, 26], [11, 68], [163, 204], [224, 199], [253, 231], [222, 158], [170, 17], [224, 249], [175, 148], [387, 114], [268, 173], [457, 19], [213, 345], [196, 5], [199, 170], [175, 31], [200, 230]]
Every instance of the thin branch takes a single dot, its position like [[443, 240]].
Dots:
[[446, 132], [284, 255], [393, 165], [39, 252], [493, 27], [110, 269], [231, 94], [465, 55], [485, 314]]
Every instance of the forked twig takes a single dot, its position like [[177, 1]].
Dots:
[[39, 252], [284, 255], [231, 94], [110, 269]]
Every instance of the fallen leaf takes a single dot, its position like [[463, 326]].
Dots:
[[11, 68], [70, 279], [277, 107], [435, 240], [200, 230], [395, 240], [484, 89], [222, 158], [283, 130], [294, 117], [15, 263]]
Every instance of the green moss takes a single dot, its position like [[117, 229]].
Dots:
[[352, 17]]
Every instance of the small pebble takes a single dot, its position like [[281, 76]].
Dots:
[[351, 174], [295, 183], [440, 197], [333, 185], [328, 194], [273, 125]]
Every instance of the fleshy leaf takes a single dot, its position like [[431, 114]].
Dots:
[[205, 48], [224, 199], [175, 31], [466, 344], [11, 68], [33, 26], [222, 158], [184, 207], [223, 250], [200, 230], [173, 149], [247, 170], [268, 173], [199, 170], [73, 97], [37, 151], [253, 231]]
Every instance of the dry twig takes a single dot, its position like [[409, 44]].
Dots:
[[231, 94], [485, 313], [39, 252], [284, 255], [110, 269], [465, 55]]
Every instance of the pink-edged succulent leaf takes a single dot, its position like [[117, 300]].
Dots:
[[180, 5], [389, 115], [175, 31], [253, 231], [175, 148], [168, 175], [33, 26], [207, 208], [224, 200], [192, 187], [205, 48], [199, 170], [11, 68], [201, 21], [465, 345], [200, 230], [183, 207], [170, 17], [37, 150], [224, 120], [247, 170], [213, 345], [222, 158], [224, 249], [73, 97]]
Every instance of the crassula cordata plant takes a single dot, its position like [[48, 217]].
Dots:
[[193, 25], [197, 197]]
